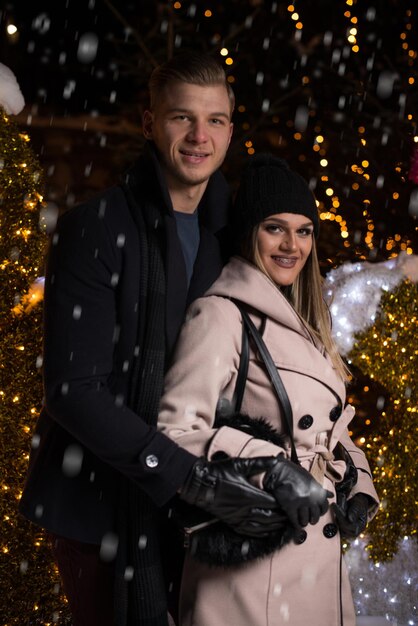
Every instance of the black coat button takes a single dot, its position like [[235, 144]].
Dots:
[[335, 413], [300, 537], [305, 422], [330, 530]]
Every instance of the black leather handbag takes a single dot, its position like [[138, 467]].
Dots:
[[213, 542]]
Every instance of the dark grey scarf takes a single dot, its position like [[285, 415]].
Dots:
[[141, 600]]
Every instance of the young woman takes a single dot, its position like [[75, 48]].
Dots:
[[276, 275]]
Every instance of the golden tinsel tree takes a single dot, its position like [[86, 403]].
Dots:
[[388, 353], [29, 584]]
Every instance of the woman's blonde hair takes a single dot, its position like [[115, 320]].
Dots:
[[305, 295]]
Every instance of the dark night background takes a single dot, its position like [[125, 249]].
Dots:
[[83, 66]]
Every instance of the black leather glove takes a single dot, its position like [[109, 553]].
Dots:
[[297, 493], [353, 520], [222, 488]]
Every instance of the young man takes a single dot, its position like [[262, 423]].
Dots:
[[121, 271]]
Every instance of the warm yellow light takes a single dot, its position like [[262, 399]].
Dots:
[[229, 61], [355, 48], [11, 29], [329, 191], [224, 52], [323, 162], [295, 16], [365, 163], [319, 139]]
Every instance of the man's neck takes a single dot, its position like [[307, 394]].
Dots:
[[187, 200]]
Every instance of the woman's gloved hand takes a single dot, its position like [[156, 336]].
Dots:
[[297, 493], [223, 489], [353, 520]]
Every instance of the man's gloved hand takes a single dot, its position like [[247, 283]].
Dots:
[[297, 493], [353, 521], [222, 488]]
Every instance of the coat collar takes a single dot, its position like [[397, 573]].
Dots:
[[305, 354], [243, 281], [148, 187], [146, 179]]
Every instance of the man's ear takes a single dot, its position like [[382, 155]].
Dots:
[[147, 124], [231, 131]]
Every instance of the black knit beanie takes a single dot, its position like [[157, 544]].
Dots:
[[269, 186]]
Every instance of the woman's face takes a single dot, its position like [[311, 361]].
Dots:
[[284, 242]]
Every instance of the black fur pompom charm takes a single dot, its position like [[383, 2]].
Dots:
[[220, 546], [213, 542], [257, 427]]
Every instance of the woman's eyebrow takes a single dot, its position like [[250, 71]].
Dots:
[[285, 222]]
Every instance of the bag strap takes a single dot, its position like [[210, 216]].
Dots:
[[242, 371], [248, 326]]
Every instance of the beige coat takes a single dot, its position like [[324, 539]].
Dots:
[[300, 584]]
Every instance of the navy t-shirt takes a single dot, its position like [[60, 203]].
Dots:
[[189, 235]]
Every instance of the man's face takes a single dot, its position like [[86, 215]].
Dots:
[[191, 129]]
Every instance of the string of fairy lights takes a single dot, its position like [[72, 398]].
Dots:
[[333, 210], [29, 587]]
